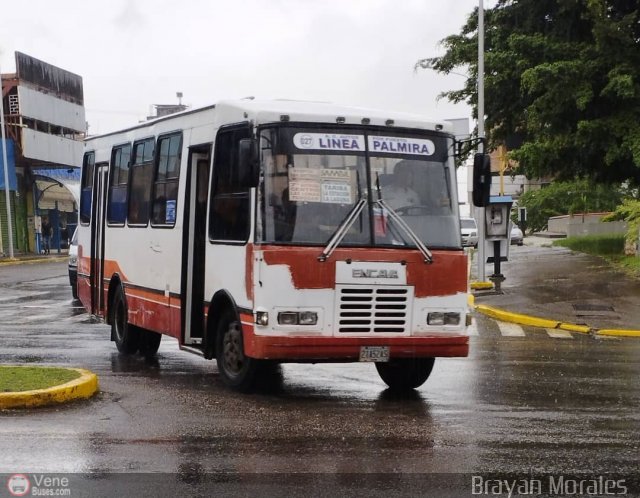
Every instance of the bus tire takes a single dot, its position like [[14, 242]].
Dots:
[[148, 342], [403, 374], [125, 335], [237, 371]]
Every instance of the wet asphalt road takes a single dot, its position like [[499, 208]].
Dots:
[[523, 403]]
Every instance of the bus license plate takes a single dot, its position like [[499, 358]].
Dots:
[[374, 353]]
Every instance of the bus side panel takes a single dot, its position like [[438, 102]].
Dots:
[[151, 310]]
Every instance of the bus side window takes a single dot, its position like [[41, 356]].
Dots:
[[141, 182], [88, 164], [229, 208], [165, 187], [118, 179]]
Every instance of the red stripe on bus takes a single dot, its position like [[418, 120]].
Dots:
[[447, 274]]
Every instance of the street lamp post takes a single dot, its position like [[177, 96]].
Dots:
[[6, 170], [481, 135], [479, 211]]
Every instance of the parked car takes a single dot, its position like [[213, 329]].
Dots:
[[517, 237], [73, 264], [469, 232]]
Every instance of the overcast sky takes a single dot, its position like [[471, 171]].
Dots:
[[135, 53]]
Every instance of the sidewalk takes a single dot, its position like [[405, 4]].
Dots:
[[557, 284], [35, 258]]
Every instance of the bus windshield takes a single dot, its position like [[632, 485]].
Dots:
[[314, 177]]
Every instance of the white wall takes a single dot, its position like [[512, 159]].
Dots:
[[50, 109]]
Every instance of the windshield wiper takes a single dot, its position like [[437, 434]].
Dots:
[[428, 257], [342, 229]]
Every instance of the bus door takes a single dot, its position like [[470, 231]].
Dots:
[[97, 238], [194, 242]]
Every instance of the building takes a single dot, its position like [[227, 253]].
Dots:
[[44, 127]]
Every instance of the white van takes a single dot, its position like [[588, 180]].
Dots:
[[469, 232]]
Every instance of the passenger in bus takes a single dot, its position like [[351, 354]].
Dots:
[[400, 194]]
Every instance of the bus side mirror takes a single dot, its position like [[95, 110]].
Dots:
[[481, 179], [248, 163]]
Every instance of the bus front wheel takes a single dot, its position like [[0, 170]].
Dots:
[[125, 335], [236, 370], [402, 374]]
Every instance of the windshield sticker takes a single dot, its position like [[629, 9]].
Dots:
[[402, 145], [336, 193], [321, 185], [329, 141], [304, 185]]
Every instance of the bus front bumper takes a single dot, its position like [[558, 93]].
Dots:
[[346, 349]]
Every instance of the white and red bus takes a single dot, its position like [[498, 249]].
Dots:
[[257, 233]]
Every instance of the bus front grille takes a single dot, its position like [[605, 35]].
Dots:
[[373, 309]]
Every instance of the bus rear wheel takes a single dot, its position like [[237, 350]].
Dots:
[[125, 335], [148, 342], [237, 370], [403, 374]]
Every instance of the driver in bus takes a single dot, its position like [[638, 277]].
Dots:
[[400, 194]]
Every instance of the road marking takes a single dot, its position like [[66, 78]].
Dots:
[[77, 318], [472, 330], [510, 329], [559, 334]]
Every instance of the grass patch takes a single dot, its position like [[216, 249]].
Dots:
[[609, 247], [18, 379], [599, 245]]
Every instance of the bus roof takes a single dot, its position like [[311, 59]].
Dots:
[[273, 111]]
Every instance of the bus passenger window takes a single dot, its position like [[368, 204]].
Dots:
[[141, 182], [165, 188]]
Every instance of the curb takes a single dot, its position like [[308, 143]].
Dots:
[[28, 261], [532, 321], [84, 386]]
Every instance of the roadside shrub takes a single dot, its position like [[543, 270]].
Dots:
[[599, 245], [628, 211], [560, 198]]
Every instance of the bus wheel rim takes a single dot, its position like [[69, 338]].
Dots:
[[233, 351]]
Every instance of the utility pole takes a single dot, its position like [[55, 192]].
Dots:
[[6, 170]]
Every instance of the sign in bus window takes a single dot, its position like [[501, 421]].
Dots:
[[321, 185]]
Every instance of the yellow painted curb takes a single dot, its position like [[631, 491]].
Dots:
[[507, 316], [471, 300], [481, 285], [619, 332], [582, 329], [84, 386]]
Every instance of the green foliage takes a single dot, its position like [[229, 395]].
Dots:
[[561, 198], [628, 211], [599, 245], [563, 78]]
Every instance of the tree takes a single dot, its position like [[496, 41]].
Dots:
[[562, 84], [571, 197]]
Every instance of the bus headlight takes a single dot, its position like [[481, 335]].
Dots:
[[297, 318], [308, 318], [262, 318], [288, 318], [442, 318]]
